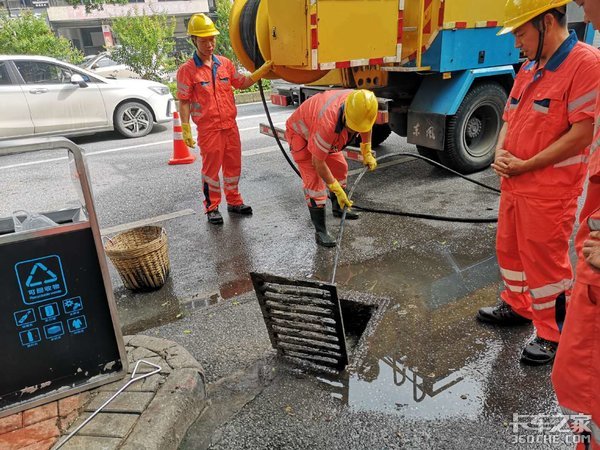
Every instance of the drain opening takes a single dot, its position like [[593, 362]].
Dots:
[[304, 320]]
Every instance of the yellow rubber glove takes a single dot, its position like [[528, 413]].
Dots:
[[339, 192], [187, 135], [261, 71], [367, 154]]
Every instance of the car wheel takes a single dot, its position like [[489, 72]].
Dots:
[[133, 119], [472, 133]]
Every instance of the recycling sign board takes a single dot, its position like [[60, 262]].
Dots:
[[41, 279], [56, 327]]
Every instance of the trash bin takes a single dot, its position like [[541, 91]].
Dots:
[[141, 257]]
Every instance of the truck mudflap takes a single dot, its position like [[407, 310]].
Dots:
[[427, 129]]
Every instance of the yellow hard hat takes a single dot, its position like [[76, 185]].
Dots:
[[519, 12], [202, 26], [361, 110]]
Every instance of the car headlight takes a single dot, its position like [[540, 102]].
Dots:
[[160, 90]]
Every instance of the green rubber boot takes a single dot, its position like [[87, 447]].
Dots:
[[317, 215]]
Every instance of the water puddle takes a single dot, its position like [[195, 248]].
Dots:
[[426, 358]]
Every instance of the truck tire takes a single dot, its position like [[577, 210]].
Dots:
[[380, 134], [472, 133], [430, 153]]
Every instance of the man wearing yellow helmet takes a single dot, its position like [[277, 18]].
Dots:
[[205, 86], [541, 157], [576, 370], [317, 132]]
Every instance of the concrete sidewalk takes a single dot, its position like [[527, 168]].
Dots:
[[153, 413]]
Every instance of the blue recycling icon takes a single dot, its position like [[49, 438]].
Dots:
[[47, 276], [41, 279], [77, 324], [24, 318], [30, 337], [54, 331]]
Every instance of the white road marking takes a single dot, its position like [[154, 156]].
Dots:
[[148, 221], [254, 116], [132, 147], [256, 127]]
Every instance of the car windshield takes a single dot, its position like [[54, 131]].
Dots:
[[86, 61]]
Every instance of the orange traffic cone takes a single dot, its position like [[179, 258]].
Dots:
[[181, 152]]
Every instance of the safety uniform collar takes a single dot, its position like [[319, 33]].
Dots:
[[559, 55], [341, 121], [199, 62]]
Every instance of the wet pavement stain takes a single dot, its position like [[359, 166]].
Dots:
[[427, 358]]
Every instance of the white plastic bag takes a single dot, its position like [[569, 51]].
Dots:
[[26, 221]]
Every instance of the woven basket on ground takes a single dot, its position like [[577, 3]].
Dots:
[[141, 257]]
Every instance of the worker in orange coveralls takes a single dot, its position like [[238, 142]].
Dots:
[[205, 86], [317, 132], [541, 157], [576, 372]]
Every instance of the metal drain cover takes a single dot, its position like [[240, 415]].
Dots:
[[303, 319]]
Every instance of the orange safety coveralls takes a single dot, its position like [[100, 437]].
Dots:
[[537, 209], [213, 110], [576, 373], [317, 128]]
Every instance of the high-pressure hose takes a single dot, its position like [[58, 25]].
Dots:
[[380, 159]]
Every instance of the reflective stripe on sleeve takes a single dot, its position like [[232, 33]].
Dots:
[[322, 144], [328, 102], [585, 98], [574, 160]]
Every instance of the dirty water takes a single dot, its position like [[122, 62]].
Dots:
[[427, 357]]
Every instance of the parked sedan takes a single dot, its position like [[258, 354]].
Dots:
[[102, 64], [42, 96]]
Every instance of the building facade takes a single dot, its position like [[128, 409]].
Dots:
[[91, 32]]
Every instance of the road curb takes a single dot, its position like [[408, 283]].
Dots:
[[250, 97], [160, 408]]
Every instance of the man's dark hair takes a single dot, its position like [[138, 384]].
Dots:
[[560, 14]]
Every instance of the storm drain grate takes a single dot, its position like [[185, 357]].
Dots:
[[303, 319]]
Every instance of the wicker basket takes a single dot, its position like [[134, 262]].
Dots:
[[141, 257]]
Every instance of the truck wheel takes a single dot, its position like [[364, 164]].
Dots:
[[380, 134], [472, 133], [430, 153], [132, 119]]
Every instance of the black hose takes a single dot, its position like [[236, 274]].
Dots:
[[248, 32], [267, 112], [381, 158]]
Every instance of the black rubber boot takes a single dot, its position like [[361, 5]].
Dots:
[[214, 217], [539, 351], [317, 215], [244, 210], [501, 315], [337, 211]]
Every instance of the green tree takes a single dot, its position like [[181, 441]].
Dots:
[[91, 5], [31, 35], [222, 23], [146, 43]]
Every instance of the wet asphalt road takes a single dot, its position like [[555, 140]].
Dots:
[[426, 374]]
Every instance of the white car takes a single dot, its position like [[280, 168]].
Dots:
[[42, 96], [102, 64]]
